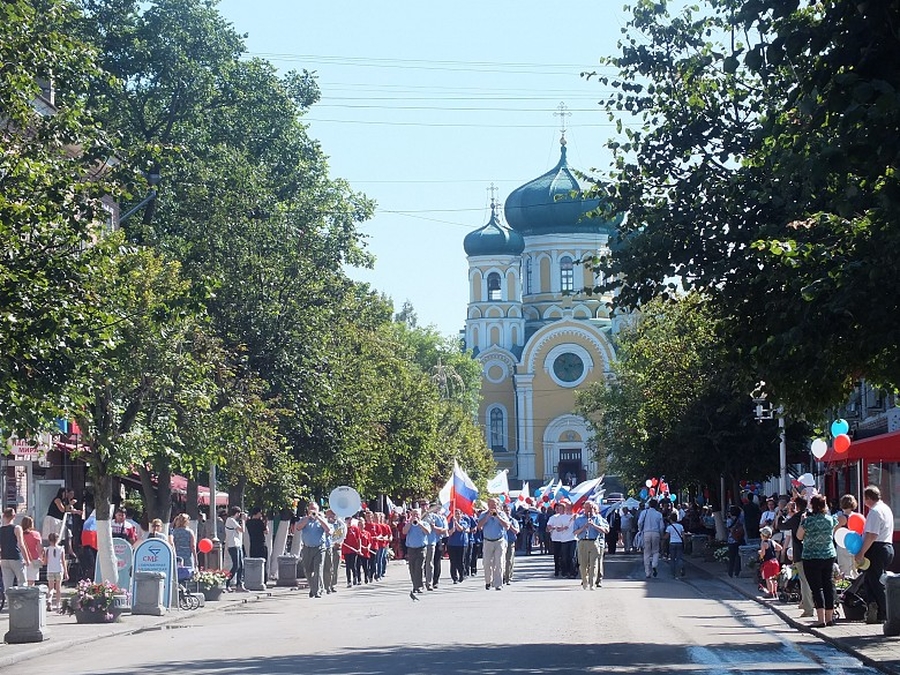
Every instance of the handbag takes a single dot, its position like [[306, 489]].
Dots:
[[639, 539]]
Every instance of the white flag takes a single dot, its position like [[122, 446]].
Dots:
[[498, 485]]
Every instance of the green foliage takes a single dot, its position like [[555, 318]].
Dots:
[[51, 189], [757, 164], [678, 404]]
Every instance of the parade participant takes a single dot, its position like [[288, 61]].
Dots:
[[816, 532], [651, 526], [332, 562], [184, 541], [234, 542], [122, 528], [510, 556], [313, 529], [416, 532], [436, 537], [493, 524], [456, 545], [476, 543], [364, 561], [557, 525], [384, 544], [13, 553], [590, 529], [351, 548], [878, 548], [615, 529], [371, 540]]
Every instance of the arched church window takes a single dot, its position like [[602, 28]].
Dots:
[[497, 429], [528, 275], [566, 274], [493, 285]]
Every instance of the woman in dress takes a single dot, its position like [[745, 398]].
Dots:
[[184, 541], [35, 547]]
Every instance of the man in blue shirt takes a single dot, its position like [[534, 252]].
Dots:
[[416, 532], [510, 555], [434, 551], [456, 545], [314, 532], [590, 532], [493, 524]]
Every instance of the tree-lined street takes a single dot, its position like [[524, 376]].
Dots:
[[700, 625]]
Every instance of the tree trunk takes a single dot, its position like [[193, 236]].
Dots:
[[192, 508], [106, 555], [236, 492], [157, 497]]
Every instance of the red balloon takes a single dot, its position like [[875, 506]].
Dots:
[[205, 545], [856, 522], [841, 443], [652, 492], [653, 482]]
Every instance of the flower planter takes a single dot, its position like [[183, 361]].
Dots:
[[212, 594], [87, 616]]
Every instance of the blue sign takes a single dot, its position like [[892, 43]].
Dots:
[[157, 555], [124, 563]]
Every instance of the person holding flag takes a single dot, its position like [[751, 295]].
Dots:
[[590, 531], [493, 524]]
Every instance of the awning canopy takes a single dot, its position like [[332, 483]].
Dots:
[[179, 487], [885, 447]]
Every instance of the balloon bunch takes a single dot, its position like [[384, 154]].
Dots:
[[654, 487], [751, 487], [840, 432], [851, 537]]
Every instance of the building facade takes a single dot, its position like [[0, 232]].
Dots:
[[537, 336]]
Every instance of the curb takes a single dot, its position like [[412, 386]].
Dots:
[[115, 630]]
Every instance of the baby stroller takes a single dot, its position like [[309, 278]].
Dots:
[[186, 600], [789, 584], [852, 599]]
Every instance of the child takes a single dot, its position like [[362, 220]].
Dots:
[[54, 557], [769, 567]]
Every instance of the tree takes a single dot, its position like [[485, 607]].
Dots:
[[52, 186], [678, 403], [758, 165]]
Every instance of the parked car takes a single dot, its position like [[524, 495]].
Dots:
[[613, 497]]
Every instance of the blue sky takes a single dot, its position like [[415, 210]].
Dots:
[[425, 105]]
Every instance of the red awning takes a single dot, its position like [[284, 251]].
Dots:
[[179, 487], [885, 447]]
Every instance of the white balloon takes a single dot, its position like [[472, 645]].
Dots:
[[819, 448], [839, 535]]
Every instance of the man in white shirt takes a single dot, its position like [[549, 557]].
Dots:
[[561, 527], [878, 547], [234, 542]]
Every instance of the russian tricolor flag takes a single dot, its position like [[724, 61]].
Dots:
[[464, 492], [582, 492]]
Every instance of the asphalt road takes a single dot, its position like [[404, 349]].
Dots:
[[538, 624]]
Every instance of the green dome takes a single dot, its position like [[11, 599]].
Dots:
[[554, 204], [494, 239]]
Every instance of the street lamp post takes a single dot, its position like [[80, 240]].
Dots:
[[766, 411]]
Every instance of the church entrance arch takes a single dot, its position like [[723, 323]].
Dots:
[[566, 457], [570, 469]]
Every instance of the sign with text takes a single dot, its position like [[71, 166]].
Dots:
[[124, 562], [157, 555]]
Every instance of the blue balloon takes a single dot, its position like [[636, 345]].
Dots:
[[839, 427], [643, 493], [673, 498], [853, 542]]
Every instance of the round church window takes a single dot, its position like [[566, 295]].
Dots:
[[568, 367]]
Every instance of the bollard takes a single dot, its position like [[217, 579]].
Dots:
[[254, 574], [892, 602], [27, 614], [287, 570], [698, 545], [148, 593]]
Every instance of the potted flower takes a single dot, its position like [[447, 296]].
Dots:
[[211, 582], [94, 602]]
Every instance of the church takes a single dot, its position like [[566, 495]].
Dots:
[[537, 337]]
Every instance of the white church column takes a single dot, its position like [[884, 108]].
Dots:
[[525, 405]]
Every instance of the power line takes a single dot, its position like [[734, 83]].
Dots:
[[454, 124]]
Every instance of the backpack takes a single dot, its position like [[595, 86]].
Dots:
[[737, 532]]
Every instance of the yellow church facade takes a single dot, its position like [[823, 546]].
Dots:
[[537, 337]]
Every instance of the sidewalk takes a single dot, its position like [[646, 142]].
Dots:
[[867, 642], [63, 631]]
